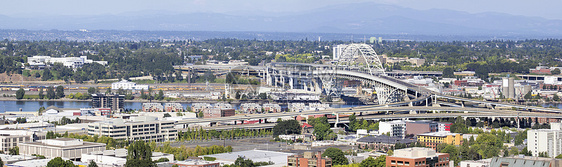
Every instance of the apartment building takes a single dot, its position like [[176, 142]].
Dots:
[[114, 101], [152, 107], [419, 157], [544, 140], [309, 159], [173, 107], [393, 128], [138, 128], [433, 139]]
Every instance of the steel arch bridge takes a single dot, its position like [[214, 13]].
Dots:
[[355, 62]]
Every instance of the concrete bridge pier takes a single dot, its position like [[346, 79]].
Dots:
[[337, 119]]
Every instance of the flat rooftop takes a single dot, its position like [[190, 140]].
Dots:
[[278, 158], [438, 134], [63, 143]]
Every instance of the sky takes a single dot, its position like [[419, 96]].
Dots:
[[33, 8]]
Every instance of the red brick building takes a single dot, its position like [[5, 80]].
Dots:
[[418, 157], [309, 159], [419, 127], [215, 113]]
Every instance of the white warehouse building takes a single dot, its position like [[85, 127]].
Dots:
[[72, 62], [127, 85]]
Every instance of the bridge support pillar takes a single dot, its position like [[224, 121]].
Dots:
[[462, 104], [337, 120], [291, 82]]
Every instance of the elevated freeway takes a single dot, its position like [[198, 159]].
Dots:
[[406, 116], [364, 109], [494, 104]]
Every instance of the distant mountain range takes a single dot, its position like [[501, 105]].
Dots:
[[356, 18]]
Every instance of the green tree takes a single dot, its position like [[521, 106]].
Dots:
[[555, 71], [262, 96], [60, 92], [41, 94], [231, 78], [46, 75], [59, 162], [448, 72], [559, 156], [14, 151], [92, 90], [139, 154], [513, 151], [337, 156], [243, 162], [20, 93], [160, 95], [453, 153], [321, 127], [1, 162], [286, 127], [372, 162], [92, 164], [352, 122]]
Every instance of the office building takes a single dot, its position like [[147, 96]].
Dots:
[[138, 128], [525, 161], [309, 159], [61, 147], [419, 157], [11, 138], [432, 139], [382, 142], [419, 127], [393, 128], [444, 126], [475, 163], [113, 101]]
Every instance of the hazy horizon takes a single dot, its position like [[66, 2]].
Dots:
[[39, 8]]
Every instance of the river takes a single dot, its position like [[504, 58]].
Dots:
[[35, 105]]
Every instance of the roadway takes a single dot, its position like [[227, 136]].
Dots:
[[554, 110], [405, 116], [366, 109]]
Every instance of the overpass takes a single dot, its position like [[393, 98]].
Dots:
[[363, 109], [405, 116], [494, 104]]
